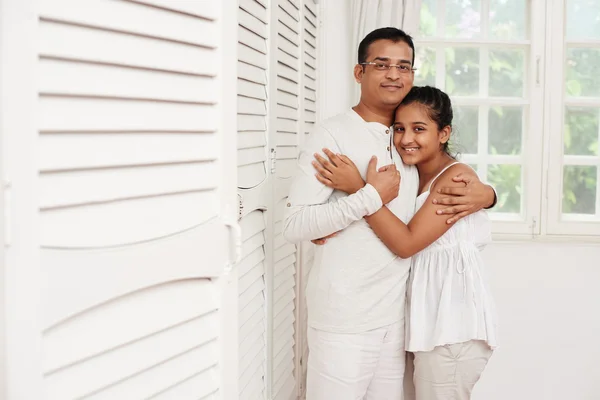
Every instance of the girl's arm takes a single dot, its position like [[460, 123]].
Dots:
[[425, 227]]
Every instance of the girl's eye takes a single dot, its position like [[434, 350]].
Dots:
[[399, 129], [419, 129]]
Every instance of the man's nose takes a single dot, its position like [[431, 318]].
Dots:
[[393, 73]]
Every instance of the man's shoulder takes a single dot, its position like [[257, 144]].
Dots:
[[339, 122]]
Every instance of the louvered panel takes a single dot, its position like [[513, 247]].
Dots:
[[183, 324], [252, 318], [310, 72], [130, 143], [309, 60], [310, 13], [252, 94], [56, 41], [288, 46]]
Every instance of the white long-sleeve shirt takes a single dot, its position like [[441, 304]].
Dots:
[[356, 283]]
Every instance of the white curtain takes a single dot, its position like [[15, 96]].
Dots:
[[368, 15]]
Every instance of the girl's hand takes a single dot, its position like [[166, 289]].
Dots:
[[339, 172]]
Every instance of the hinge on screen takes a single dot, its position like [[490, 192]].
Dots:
[[273, 161]]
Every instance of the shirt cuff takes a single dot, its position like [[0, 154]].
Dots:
[[372, 200]]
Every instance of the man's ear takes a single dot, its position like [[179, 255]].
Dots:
[[358, 73], [445, 134]]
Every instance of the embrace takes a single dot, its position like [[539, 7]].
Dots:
[[398, 305]]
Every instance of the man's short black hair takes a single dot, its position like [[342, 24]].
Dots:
[[393, 34]]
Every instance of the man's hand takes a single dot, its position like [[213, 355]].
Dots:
[[466, 200], [323, 240], [386, 181]]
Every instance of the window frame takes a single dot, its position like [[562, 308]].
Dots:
[[531, 158], [556, 103]]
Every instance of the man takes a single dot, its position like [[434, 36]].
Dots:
[[357, 287]]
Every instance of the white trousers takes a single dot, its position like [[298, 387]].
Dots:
[[356, 366], [447, 372]]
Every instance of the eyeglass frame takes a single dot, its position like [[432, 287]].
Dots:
[[389, 66]]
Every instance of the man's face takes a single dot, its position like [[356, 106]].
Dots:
[[385, 87]]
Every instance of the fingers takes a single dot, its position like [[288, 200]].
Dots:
[[457, 217], [319, 242], [324, 181], [372, 164], [324, 162], [322, 171], [345, 159], [335, 160], [454, 191], [462, 177], [453, 210]]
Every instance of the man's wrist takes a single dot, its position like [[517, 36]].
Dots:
[[494, 197]]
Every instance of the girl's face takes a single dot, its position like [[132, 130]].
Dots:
[[416, 136]]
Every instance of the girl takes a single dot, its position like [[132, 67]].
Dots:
[[451, 322]]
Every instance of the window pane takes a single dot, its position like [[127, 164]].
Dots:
[[425, 64], [579, 189], [583, 19], [428, 25], [462, 71], [506, 179], [505, 130], [581, 131], [466, 122], [507, 19], [506, 72], [463, 18], [583, 72]]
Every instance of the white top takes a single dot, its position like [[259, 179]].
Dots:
[[448, 299], [356, 283]]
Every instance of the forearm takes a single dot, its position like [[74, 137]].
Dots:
[[394, 233], [492, 197], [309, 222]]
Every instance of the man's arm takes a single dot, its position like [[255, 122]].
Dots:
[[309, 213]]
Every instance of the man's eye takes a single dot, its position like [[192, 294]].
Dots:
[[404, 68], [381, 66]]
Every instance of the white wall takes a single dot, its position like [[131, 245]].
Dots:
[[547, 298]]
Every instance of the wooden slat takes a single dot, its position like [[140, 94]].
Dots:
[[132, 18], [252, 73], [252, 40], [204, 9], [95, 45], [287, 99], [102, 150], [286, 112], [89, 187], [67, 114], [255, 9], [252, 23], [286, 139], [249, 106], [251, 89], [250, 139], [286, 125], [251, 56]]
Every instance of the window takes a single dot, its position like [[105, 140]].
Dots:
[[503, 63]]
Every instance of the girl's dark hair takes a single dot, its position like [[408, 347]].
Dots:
[[439, 107]]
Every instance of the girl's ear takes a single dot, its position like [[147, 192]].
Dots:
[[445, 134]]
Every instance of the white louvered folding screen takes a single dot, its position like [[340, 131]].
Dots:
[[254, 189], [132, 198], [276, 74]]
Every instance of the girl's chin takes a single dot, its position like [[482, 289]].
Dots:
[[409, 159]]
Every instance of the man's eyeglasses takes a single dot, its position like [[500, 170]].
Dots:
[[381, 66]]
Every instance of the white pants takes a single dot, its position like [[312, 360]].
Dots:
[[447, 372], [356, 366]]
